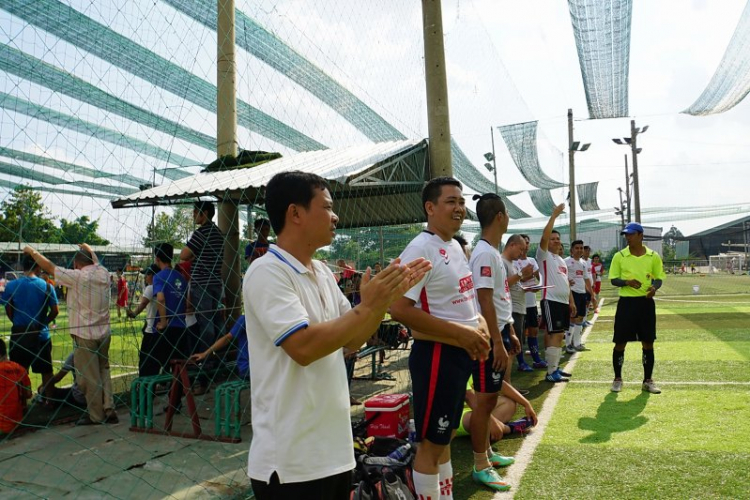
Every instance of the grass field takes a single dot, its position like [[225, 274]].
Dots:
[[691, 441]]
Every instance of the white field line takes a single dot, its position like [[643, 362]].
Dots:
[[726, 303], [514, 473], [686, 382]]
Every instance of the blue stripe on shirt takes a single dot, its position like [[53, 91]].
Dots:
[[288, 333]]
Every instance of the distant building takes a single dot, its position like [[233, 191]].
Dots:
[[111, 256]]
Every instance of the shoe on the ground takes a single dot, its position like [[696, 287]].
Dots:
[[523, 367], [85, 420], [563, 374], [570, 349], [540, 365], [520, 426], [616, 385], [199, 389], [650, 386], [555, 377], [580, 348], [112, 418], [523, 392], [587, 323], [490, 478], [497, 460]]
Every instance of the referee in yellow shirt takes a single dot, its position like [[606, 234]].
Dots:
[[638, 272]]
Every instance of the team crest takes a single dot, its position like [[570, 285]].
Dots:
[[486, 271], [444, 255]]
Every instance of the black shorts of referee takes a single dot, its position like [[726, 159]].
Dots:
[[635, 320]]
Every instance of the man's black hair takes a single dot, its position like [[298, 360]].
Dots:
[[525, 236], [205, 207], [28, 262], [586, 247], [576, 242], [434, 188], [164, 252], [488, 206], [290, 188], [259, 223], [555, 231]]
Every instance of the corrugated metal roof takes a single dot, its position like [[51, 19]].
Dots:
[[49, 248], [373, 184]]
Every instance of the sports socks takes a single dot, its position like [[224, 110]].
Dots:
[[618, 358], [534, 348], [648, 364], [427, 485], [577, 334], [568, 335], [553, 358], [445, 472]]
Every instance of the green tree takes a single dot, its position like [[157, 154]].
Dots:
[[174, 229], [23, 217], [669, 243], [81, 230]]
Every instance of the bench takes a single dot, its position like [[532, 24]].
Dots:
[[227, 410]]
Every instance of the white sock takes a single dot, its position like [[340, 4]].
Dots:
[[577, 335], [446, 481], [568, 335], [553, 358], [427, 485]]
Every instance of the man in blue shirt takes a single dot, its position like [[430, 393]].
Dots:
[[239, 334], [259, 247], [170, 289], [31, 304]]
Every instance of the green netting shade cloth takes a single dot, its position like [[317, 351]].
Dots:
[[520, 138], [74, 27], [731, 81], [602, 34], [48, 189], [542, 200], [587, 196]]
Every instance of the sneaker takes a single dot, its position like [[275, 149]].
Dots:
[[555, 377], [580, 348], [498, 460], [587, 323], [650, 386], [563, 374], [490, 478], [540, 365], [520, 426], [523, 367], [570, 349], [616, 385]]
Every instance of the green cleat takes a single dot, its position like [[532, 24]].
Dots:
[[490, 478], [498, 460]]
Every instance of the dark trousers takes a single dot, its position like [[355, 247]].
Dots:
[[336, 487], [158, 348]]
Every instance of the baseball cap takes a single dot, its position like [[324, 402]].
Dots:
[[632, 227], [152, 269]]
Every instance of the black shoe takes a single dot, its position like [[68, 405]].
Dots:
[[112, 418], [85, 420]]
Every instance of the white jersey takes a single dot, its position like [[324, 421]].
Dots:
[[587, 264], [447, 290], [489, 272], [598, 270], [554, 273], [517, 295], [577, 274], [520, 264]]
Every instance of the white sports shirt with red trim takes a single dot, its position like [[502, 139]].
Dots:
[[489, 272], [520, 264], [554, 273], [578, 273], [447, 290]]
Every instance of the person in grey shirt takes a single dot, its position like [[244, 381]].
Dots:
[[512, 251]]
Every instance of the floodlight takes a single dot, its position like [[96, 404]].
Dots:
[[489, 167], [618, 141], [585, 147], [575, 145], [489, 156]]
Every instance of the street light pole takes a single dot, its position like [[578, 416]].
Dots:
[[494, 159], [627, 188], [572, 149], [636, 189]]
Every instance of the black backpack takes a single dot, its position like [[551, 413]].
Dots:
[[378, 477]]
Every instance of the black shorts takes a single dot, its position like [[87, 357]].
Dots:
[[555, 316], [28, 350], [581, 304], [439, 373], [635, 320], [532, 317], [484, 378]]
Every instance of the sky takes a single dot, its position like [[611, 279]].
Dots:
[[507, 62]]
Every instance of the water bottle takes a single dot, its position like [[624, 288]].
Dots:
[[401, 452], [382, 461], [412, 431]]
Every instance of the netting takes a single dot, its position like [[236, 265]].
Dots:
[[521, 140], [587, 196], [602, 34], [730, 83], [542, 199]]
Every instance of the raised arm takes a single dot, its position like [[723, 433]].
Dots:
[[544, 242]]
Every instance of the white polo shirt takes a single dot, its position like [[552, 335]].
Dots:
[[301, 424], [447, 290], [577, 273], [489, 272], [520, 264], [554, 273], [588, 265]]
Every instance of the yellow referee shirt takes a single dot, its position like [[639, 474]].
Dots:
[[645, 268]]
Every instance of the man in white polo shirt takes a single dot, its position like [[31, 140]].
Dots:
[[296, 329], [580, 284]]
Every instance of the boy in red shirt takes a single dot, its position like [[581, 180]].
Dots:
[[15, 389]]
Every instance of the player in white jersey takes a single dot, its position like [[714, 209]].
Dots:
[[532, 313], [557, 301], [448, 334], [590, 297], [580, 285]]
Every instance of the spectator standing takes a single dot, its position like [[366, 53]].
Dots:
[[150, 360], [259, 247], [31, 304], [597, 269], [170, 291], [15, 389], [88, 318], [122, 292]]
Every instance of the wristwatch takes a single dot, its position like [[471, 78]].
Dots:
[[520, 273]]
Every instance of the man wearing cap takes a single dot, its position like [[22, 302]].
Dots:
[[149, 359], [638, 272]]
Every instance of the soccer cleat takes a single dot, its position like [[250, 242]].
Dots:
[[490, 478], [540, 365], [617, 385], [570, 349], [523, 367], [563, 374], [587, 323], [498, 460], [650, 386], [555, 377], [520, 426], [580, 348]]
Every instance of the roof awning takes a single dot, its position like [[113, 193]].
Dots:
[[372, 185]]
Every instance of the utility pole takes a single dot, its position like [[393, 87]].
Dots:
[[571, 176], [627, 189], [494, 158], [636, 187], [436, 83]]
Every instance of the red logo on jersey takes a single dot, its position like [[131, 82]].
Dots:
[[486, 271], [465, 284], [444, 255], [563, 270]]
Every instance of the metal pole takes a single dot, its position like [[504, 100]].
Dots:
[[226, 145], [494, 160], [382, 250], [438, 116], [572, 175], [627, 188], [636, 188]]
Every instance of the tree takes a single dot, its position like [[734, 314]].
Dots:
[[669, 245], [174, 229], [23, 217], [81, 230]]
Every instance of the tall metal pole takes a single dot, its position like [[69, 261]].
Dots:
[[636, 188], [572, 176], [494, 159], [627, 188], [226, 145], [436, 83]]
